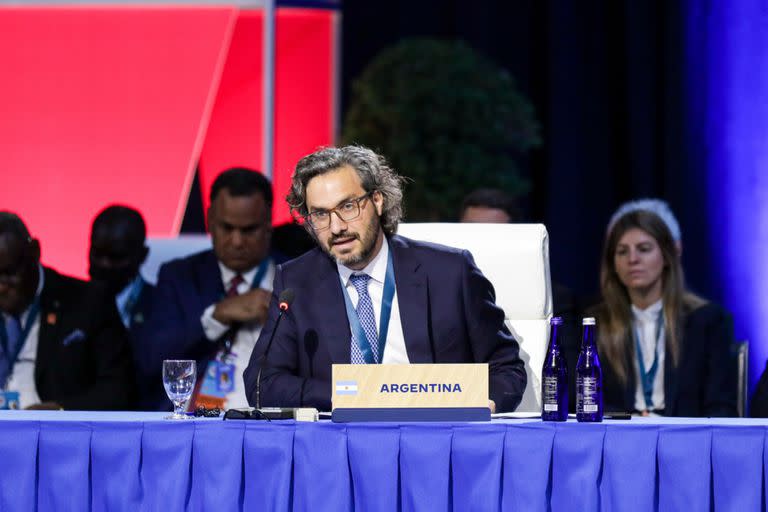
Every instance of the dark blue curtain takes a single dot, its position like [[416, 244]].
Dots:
[[636, 99]]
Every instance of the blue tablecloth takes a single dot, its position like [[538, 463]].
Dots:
[[138, 461]]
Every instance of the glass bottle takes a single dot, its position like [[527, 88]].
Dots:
[[554, 377], [589, 377]]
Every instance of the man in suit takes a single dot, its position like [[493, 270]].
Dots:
[[117, 250], [210, 306], [430, 302], [62, 344]]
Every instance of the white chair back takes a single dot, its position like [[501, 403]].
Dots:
[[515, 258]]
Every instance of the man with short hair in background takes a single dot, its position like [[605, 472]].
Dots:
[[489, 205], [210, 306], [62, 345], [117, 251]]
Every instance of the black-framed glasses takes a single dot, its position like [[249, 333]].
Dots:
[[346, 211]]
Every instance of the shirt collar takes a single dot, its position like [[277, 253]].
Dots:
[[649, 314], [121, 299], [227, 274], [376, 268]]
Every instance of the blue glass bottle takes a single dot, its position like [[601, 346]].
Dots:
[[554, 377], [589, 377]]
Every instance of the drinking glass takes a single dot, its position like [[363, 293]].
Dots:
[[179, 380]]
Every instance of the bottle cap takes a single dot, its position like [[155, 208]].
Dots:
[[590, 320], [556, 320]]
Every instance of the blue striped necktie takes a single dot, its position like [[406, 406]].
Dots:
[[367, 321]]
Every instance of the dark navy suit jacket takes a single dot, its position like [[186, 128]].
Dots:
[[447, 311], [84, 359], [185, 288], [149, 381]]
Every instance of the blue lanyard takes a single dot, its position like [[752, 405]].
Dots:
[[31, 318], [649, 377], [260, 273], [133, 297], [386, 312]]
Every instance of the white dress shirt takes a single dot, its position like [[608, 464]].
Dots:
[[246, 337], [394, 351], [644, 324], [22, 377]]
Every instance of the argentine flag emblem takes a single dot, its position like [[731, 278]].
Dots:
[[346, 387]]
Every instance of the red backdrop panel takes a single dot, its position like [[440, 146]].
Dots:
[[304, 98], [103, 105]]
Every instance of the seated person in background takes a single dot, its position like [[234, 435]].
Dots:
[[662, 349], [62, 342], [441, 308], [210, 306], [117, 250], [489, 205]]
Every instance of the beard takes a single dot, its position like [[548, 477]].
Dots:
[[367, 240]]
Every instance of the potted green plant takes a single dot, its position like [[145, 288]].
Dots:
[[446, 117]]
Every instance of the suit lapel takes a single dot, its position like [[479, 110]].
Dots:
[[413, 301], [211, 286], [333, 314], [631, 387]]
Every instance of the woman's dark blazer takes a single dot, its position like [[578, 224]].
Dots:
[[704, 381]]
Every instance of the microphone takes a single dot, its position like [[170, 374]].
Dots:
[[284, 303]]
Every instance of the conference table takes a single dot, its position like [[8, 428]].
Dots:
[[62, 460]]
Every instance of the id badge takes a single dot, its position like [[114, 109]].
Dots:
[[9, 400], [225, 377]]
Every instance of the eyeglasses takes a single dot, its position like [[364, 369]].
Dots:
[[347, 211]]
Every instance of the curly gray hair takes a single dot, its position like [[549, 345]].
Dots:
[[374, 173]]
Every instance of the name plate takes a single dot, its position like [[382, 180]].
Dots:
[[410, 392]]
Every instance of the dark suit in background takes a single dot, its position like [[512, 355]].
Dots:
[[704, 382], [149, 381], [185, 288], [448, 315], [84, 358]]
